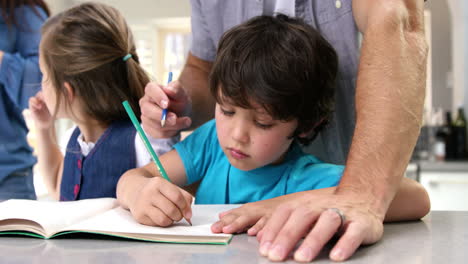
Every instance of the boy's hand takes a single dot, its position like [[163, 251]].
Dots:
[[39, 112], [250, 217], [160, 203], [158, 97]]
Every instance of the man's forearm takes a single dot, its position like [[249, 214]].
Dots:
[[389, 101], [194, 79]]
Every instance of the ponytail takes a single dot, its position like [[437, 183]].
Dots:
[[136, 78], [86, 46]]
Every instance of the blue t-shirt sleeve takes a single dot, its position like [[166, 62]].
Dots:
[[202, 45], [19, 71], [310, 175], [198, 151]]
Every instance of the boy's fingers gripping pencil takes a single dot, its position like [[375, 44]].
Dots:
[[164, 111], [146, 142]]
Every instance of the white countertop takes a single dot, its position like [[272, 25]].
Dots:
[[441, 237]]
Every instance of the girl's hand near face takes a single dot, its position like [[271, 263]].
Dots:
[[39, 112], [49, 156], [157, 202]]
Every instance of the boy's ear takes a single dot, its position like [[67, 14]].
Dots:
[[304, 134], [70, 91], [312, 132], [309, 134]]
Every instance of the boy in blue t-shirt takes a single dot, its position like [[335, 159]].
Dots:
[[273, 80]]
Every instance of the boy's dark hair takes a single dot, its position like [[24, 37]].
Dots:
[[85, 46], [284, 65]]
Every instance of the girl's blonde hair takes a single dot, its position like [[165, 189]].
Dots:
[[85, 47]]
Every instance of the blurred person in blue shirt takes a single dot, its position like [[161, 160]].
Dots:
[[20, 78]]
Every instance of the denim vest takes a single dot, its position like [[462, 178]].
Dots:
[[97, 174]]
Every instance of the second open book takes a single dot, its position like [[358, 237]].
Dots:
[[46, 219]]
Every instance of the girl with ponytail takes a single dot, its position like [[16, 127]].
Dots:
[[89, 63]]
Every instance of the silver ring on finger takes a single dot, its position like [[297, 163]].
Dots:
[[342, 218]]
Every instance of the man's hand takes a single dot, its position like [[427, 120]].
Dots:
[[158, 97], [312, 220], [281, 222]]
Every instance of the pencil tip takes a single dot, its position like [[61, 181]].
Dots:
[[189, 221], [163, 122]]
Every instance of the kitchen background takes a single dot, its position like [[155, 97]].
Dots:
[[162, 33]]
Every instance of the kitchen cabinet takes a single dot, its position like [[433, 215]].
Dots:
[[448, 190]]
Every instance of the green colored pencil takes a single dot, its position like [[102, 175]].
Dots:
[[142, 134]]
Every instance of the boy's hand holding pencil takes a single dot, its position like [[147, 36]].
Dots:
[[160, 203], [157, 201]]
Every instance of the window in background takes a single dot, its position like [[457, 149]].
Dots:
[[175, 50], [163, 46], [145, 40]]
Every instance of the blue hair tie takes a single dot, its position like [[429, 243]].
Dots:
[[128, 56]]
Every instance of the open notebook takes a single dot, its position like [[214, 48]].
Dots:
[[46, 219]]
